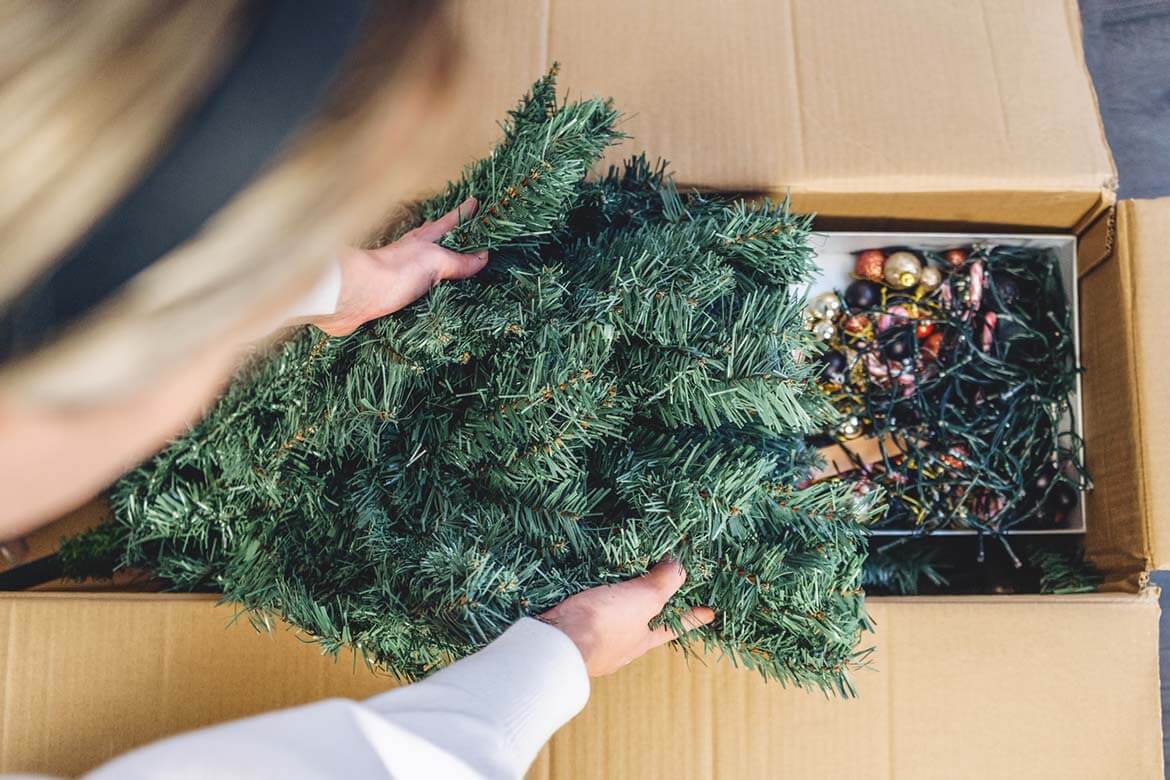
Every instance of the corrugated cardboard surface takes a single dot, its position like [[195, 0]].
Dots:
[[1126, 401], [1117, 538], [86, 676], [970, 110], [963, 687], [1143, 228]]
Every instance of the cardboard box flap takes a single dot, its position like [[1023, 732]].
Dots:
[[859, 109], [960, 688], [1143, 233], [1126, 401], [1117, 538], [986, 687]]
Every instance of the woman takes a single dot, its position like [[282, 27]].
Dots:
[[183, 179]]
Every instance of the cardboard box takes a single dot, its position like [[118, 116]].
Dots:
[[1061, 687], [972, 115]]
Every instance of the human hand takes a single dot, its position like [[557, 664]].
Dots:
[[377, 282], [608, 624]]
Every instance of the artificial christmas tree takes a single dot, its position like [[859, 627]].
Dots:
[[629, 379]]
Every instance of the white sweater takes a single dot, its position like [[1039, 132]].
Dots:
[[485, 716]]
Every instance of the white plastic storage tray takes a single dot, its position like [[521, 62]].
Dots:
[[836, 255]]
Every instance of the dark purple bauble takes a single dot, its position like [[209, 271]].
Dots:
[[1043, 480], [862, 294], [1009, 329], [903, 415], [898, 344], [1015, 342], [1061, 499], [897, 349], [833, 365], [1007, 288]]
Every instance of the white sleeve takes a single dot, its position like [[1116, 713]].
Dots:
[[485, 716], [322, 299]]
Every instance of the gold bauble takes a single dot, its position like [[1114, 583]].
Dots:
[[930, 278], [823, 330], [850, 428], [902, 270], [825, 306]]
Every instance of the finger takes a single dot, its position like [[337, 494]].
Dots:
[[666, 577], [453, 265], [691, 619], [433, 231]]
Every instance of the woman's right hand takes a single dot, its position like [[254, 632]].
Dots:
[[609, 624]]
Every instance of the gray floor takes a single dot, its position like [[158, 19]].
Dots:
[[1162, 579], [1127, 45]]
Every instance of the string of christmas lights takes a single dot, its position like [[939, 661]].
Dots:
[[957, 368]]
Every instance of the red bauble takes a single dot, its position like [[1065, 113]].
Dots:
[[924, 329], [933, 345], [869, 265], [956, 257], [855, 325]]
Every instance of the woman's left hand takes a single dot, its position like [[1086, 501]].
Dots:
[[377, 282]]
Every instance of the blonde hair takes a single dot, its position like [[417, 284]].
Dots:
[[90, 92]]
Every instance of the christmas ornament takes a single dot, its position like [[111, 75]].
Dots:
[[833, 365], [902, 270], [989, 323], [875, 367], [899, 344], [862, 294], [1008, 328], [850, 428], [956, 257], [930, 279], [1043, 480], [855, 324], [825, 306], [1061, 500], [897, 315], [974, 294], [1006, 288], [869, 265], [903, 417], [932, 346], [823, 330]]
